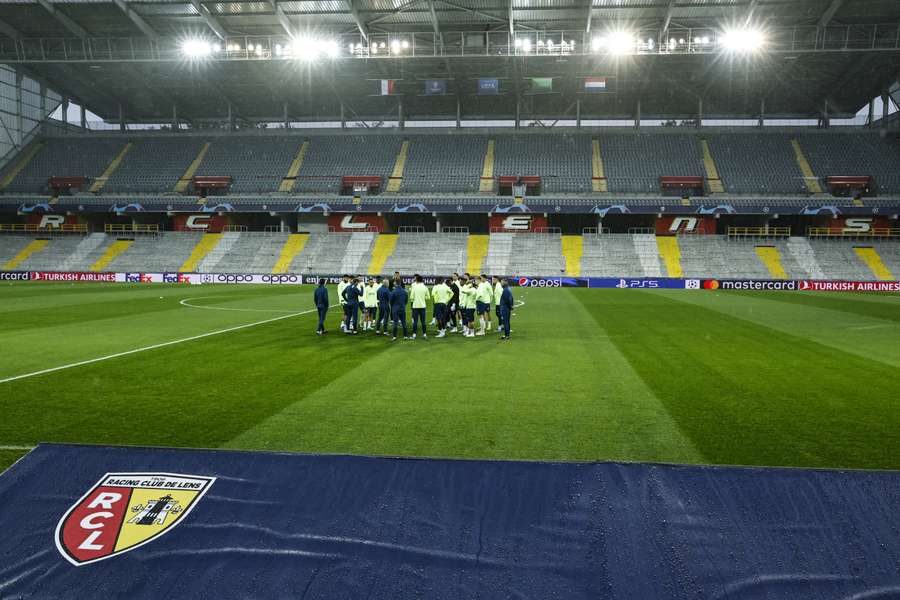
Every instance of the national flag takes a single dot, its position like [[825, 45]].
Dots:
[[435, 87], [541, 85], [387, 87], [594, 84], [487, 87]]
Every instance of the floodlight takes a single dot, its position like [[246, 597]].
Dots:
[[216, 48], [331, 48], [304, 48], [742, 40], [620, 42], [526, 45], [404, 44], [277, 49], [395, 46], [381, 45], [250, 47], [597, 43], [705, 39], [697, 41], [195, 48]]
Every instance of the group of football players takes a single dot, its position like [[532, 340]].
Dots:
[[460, 304]]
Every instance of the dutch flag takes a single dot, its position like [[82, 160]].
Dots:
[[594, 84]]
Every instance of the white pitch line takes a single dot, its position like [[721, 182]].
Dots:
[[152, 347], [16, 447], [186, 302]]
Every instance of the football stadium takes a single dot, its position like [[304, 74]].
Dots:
[[450, 299]]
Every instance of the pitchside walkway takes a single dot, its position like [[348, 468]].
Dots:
[[254, 524]]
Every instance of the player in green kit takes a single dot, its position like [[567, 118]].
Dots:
[[467, 296], [418, 296], [441, 294], [370, 300]]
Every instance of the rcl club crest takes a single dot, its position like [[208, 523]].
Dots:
[[126, 510]]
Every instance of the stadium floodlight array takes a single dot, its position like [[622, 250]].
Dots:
[[625, 42], [525, 45], [199, 48], [616, 42], [386, 46], [621, 42], [742, 39], [308, 48]]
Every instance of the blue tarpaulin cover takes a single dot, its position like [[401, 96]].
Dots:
[[306, 526]]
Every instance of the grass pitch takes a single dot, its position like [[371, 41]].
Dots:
[[751, 378]]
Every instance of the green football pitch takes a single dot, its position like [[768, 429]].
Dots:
[[748, 378]]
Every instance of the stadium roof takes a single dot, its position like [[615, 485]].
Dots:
[[821, 56]]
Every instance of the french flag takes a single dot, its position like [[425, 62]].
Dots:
[[387, 87]]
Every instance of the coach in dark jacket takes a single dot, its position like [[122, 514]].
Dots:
[[384, 307], [320, 297], [506, 306], [352, 294], [399, 298]]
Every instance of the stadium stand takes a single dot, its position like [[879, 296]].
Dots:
[[515, 253], [756, 163], [255, 164], [57, 251], [540, 254], [562, 161], [747, 162], [163, 252], [635, 162], [720, 257], [13, 249], [332, 157], [334, 253], [839, 260], [610, 256], [153, 165], [252, 252], [66, 157], [427, 253], [867, 154], [444, 163]]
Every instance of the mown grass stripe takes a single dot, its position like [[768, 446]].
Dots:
[[151, 347]]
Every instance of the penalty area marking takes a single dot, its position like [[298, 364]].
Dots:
[[152, 347]]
